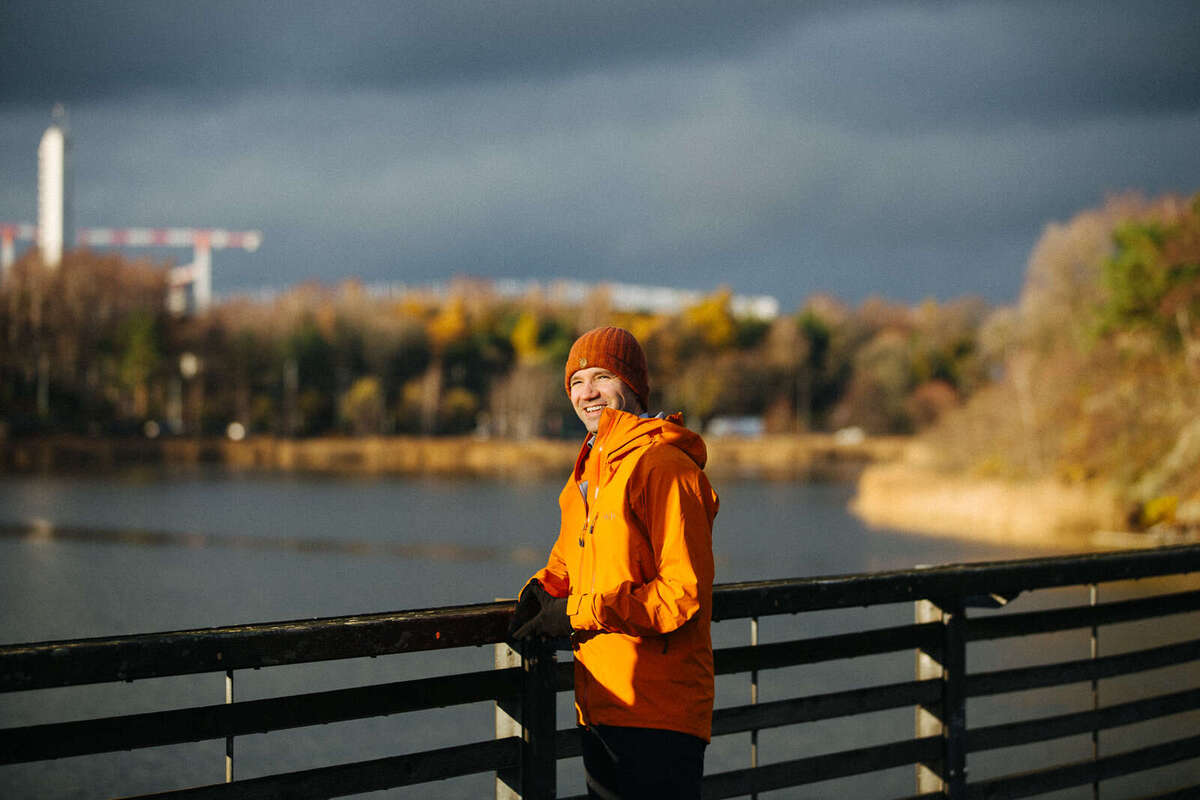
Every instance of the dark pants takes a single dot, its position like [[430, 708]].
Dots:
[[635, 763]]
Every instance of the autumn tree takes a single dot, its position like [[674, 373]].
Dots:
[[310, 380], [1152, 280], [1098, 376], [62, 339]]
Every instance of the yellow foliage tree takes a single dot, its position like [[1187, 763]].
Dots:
[[524, 338], [449, 325], [712, 320], [363, 406]]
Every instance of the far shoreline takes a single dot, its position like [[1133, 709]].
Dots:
[[892, 490], [799, 457]]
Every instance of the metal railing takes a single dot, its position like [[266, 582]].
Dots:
[[525, 761]]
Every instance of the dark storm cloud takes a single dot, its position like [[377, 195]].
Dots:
[[899, 148], [923, 65], [877, 62], [84, 50]]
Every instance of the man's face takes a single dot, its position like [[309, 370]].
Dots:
[[593, 389]]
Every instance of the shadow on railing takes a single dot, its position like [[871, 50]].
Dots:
[[525, 759]]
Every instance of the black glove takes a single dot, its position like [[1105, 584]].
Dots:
[[551, 620], [527, 607]]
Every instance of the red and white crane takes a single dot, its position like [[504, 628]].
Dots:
[[197, 274], [10, 232]]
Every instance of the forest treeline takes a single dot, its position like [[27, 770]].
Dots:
[[1091, 377], [90, 348]]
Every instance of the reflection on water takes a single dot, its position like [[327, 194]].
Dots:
[[43, 531]]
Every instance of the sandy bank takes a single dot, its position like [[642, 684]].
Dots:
[[911, 497], [811, 457]]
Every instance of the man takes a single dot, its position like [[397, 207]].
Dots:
[[630, 580]]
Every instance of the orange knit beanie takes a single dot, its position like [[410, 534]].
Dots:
[[615, 350]]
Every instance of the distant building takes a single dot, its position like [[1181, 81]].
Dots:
[[743, 427], [621, 296], [635, 297]]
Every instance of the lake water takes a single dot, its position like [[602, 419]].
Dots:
[[161, 550]]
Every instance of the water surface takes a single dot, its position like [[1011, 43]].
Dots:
[[157, 550]]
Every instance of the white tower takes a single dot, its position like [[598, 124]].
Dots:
[[52, 194]]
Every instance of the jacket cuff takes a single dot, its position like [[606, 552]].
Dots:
[[539, 582], [581, 614]]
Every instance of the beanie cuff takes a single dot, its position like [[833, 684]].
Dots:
[[616, 350]]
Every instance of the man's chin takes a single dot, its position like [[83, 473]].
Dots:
[[591, 422]]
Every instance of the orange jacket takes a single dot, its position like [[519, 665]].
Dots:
[[634, 558]]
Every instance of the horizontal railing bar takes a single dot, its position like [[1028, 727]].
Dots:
[[926, 796], [1038, 730], [129, 732], [75, 662], [1083, 772], [568, 743], [1187, 793], [813, 769], [826, 706], [1062, 673], [1064, 619], [763, 598], [125, 658], [362, 776], [827, 648]]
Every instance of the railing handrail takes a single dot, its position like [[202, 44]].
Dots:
[[73, 662], [123, 658], [764, 598]]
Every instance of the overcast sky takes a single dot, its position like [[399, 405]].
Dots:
[[902, 149]]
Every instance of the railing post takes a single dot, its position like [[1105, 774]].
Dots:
[[229, 739], [753, 702], [929, 720], [954, 698], [1093, 596], [508, 723], [949, 718], [539, 763]]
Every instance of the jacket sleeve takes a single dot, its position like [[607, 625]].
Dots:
[[676, 505], [553, 576]]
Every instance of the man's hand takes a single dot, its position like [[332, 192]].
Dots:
[[527, 607], [540, 614]]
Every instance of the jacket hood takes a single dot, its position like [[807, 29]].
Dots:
[[620, 432]]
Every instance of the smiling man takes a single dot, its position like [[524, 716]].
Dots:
[[630, 580]]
